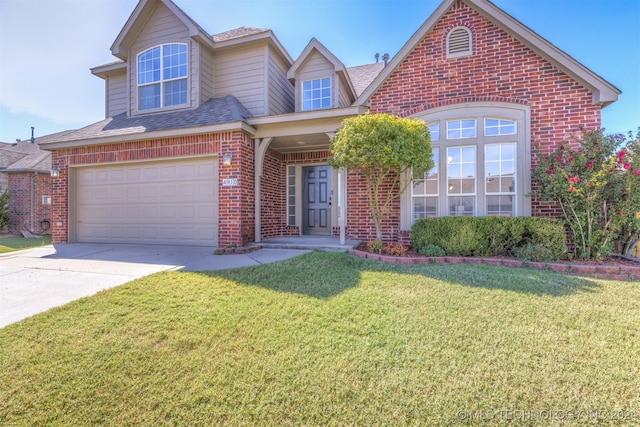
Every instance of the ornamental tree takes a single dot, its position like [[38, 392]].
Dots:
[[381, 148], [595, 181]]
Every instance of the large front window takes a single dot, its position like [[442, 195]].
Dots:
[[481, 164], [162, 76], [316, 94]]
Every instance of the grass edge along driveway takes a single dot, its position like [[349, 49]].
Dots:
[[11, 244], [326, 338]]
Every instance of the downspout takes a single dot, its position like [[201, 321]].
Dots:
[[32, 200]]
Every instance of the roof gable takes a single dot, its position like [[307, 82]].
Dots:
[[604, 92], [140, 16]]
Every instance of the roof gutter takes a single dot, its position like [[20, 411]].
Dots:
[[141, 136]]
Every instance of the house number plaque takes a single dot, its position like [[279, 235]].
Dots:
[[230, 182]]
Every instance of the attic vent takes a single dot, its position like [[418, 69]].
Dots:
[[459, 42]]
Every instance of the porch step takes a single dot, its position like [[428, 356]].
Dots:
[[327, 244]]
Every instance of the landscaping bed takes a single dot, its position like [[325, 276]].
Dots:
[[614, 268]]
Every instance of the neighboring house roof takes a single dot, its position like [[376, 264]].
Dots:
[[215, 111], [24, 156], [362, 75], [604, 93]]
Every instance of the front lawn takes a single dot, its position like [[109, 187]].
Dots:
[[329, 339], [10, 244]]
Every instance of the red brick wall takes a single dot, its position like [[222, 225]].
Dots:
[[274, 190], [500, 69], [20, 202], [236, 204]]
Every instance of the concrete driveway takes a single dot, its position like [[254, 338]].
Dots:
[[35, 280]]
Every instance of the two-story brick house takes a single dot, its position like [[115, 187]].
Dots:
[[223, 139]]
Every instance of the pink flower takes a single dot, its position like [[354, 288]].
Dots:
[[570, 159], [621, 154], [638, 172], [562, 148], [571, 189], [626, 166], [574, 179], [558, 159]]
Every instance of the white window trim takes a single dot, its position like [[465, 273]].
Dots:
[[466, 52], [331, 83], [161, 82], [480, 110]]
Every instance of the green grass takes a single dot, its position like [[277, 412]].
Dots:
[[17, 243], [328, 339]]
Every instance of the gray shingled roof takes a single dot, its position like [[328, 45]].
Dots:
[[362, 75], [25, 156], [214, 111], [237, 33]]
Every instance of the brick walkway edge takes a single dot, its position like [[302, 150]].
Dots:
[[610, 272]]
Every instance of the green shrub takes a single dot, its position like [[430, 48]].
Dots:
[[431, 250], [457, 235], [375, 246], [488, 236], [5, 217], [535, 252]]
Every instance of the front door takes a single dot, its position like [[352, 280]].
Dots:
[[317, 200]]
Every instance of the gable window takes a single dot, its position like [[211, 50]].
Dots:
[[458, 42], [162, 76], [316, 94]]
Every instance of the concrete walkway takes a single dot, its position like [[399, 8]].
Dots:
[[35, 280]]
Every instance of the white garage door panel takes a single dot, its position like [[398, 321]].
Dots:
[[169, 202]]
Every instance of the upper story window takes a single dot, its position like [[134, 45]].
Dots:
[[162, 76], [316, 94], [458, 42]]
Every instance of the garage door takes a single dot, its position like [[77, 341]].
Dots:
[[169, 202]]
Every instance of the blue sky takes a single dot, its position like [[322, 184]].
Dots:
[[48, 46]]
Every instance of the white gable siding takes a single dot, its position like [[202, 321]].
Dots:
[[316, 66], [241, 73], [343, 98], [281, 91], [162, 27], [116, 94]]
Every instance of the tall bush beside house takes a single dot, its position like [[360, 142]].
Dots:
[[4, 209], [382, 148], [595, 180]]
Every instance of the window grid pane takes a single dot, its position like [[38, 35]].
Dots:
[[434, 131], [494, 127], [458, 129], [500, 178], [461, 180], [316, 94], [291, 196], [169, 87], [424, 192]]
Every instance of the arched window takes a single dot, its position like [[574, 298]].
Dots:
[[162, 76], [459, 42]]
